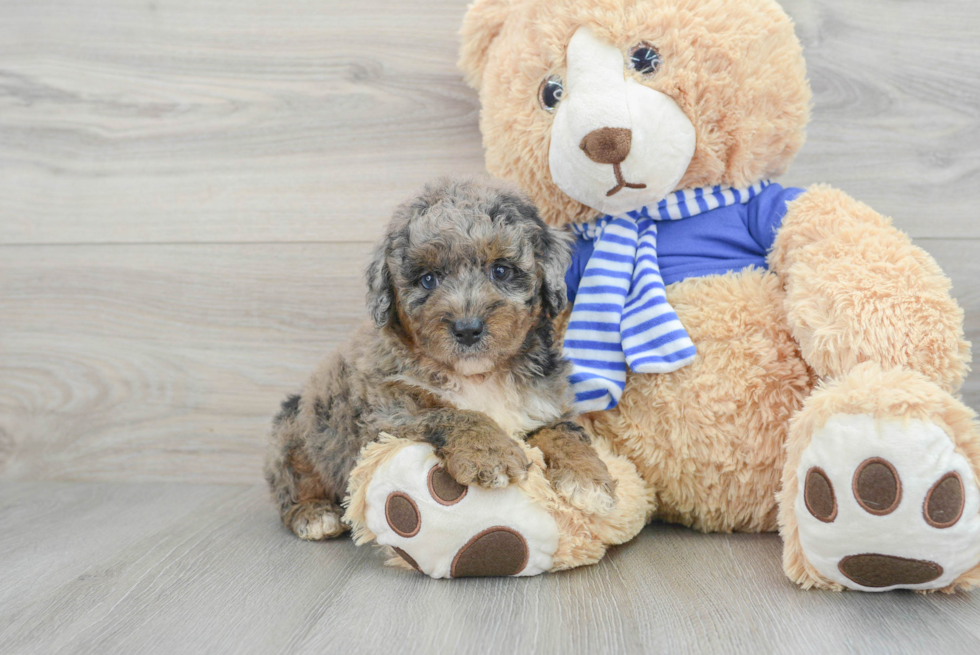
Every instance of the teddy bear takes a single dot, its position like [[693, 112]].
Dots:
[[762, 358]]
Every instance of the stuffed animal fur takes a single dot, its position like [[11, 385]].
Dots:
[[808, 380]]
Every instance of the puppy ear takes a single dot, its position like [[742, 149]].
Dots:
[[554, 264], [483, 21], [381, 289], [553, 251]]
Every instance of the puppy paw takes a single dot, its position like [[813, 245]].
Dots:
[[447, 530], [591, 491], [492, 463], [316, 521], [574, 469]]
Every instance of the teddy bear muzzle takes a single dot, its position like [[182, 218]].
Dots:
[[612, 133]]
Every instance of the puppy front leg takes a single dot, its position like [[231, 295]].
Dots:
[[472, 446], [573, 467]]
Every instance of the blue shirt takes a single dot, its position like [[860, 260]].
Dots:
[[715, 242]]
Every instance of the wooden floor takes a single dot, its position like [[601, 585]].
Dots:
[[177, 568], [188, 189]]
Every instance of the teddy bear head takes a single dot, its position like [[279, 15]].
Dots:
[[606, 106]]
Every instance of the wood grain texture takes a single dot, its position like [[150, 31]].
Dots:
[[188, 121], [166, 362], [896, 116], [290, 120], [182, 568], [162, 362], [188, 191]]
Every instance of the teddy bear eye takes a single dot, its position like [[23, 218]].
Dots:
[[551, 92], [645, 59]]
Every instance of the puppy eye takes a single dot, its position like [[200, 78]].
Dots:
[[429, 281], [645, 59], [501, 272], [551, 92]]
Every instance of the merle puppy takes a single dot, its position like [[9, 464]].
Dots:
[[461, 355]]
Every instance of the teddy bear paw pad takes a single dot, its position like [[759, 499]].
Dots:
[[448, 530], [887, 504]]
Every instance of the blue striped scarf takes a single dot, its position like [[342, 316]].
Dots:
[[621, 315]]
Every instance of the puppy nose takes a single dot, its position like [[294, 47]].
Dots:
[[607, 145], [468, 330]]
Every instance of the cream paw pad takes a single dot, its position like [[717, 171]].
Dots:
[[885, 504], [447, 530]]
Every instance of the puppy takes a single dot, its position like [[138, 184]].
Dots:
[[461, 355]]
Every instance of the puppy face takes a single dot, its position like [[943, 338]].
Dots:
[[466, 271]]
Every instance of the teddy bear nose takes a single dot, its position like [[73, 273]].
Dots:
[[607, 145]]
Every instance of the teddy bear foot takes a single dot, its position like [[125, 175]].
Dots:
[[448, 530], [887, 504]]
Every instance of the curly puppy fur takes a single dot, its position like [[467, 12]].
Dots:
[[462, 251]]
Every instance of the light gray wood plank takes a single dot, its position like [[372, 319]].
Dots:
[[227, 578], [137, 363], [290, 120], [896, 117], [162, 362], [187, 121], [54, 532]]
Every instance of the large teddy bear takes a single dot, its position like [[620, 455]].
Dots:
[[762, 357]]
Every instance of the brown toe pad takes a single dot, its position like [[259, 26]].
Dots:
[[945, 501], [443, 489], [873, 570], [877, 487], [408, 558], [495, 551], [818, 493], [402, 514]]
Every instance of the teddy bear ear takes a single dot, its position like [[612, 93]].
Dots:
[[483, 22]]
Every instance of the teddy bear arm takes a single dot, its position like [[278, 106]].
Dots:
[[858, 290]]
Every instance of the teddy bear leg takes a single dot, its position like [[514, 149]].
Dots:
[[880, 487], [858, 290], [400, 496]]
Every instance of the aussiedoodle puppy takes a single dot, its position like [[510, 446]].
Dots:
[[461, 354]]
